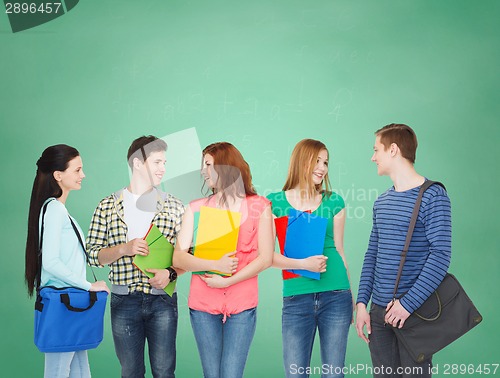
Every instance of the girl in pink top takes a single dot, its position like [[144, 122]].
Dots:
[[223, 309]]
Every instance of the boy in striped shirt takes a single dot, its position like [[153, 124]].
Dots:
[[427, 260]]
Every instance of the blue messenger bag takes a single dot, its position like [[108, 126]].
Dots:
[[69, 319]]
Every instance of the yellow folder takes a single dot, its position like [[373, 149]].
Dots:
[[160, 255], [217, 233]]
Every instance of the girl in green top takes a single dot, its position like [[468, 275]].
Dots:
[[308, 304]]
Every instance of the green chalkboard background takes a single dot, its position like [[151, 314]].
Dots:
[[263, 75]]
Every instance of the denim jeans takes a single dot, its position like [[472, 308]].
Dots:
[[67, 365], [331, 313], [138, 317], [387, 352], [223, 347]]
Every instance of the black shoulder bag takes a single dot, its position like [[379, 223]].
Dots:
[[444, 317]]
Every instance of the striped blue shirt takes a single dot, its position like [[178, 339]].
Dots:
[[428, 256]]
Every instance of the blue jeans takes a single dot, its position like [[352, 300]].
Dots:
[[138, 317], [223, 347], [386, 351], [67, 364], [331, 313]]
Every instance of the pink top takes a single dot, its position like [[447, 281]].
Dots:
[[243, 295]]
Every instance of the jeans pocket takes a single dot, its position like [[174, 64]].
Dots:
[[116, 300], [344, 294], [169, 301]]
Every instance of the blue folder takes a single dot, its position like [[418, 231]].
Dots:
[[305, 237]]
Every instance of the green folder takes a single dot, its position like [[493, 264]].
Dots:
[[160, 256]]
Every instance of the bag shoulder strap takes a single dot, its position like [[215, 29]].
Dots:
[[83, 245], [411, 227]]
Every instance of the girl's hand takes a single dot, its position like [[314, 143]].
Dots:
[[315, 263], [215, 281], [99, 286], [227, 263]]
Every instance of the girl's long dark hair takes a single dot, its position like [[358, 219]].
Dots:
[[54, 158]]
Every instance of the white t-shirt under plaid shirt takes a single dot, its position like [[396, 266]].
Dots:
[[108, 228], [138, 212]]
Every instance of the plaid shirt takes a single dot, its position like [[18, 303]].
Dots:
[[108, 229]]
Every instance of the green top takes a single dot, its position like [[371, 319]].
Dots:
[[335, 277]]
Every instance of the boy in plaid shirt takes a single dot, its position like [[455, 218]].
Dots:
[[140, 309]]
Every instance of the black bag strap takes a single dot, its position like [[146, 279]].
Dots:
[[411, 227], [39, 273], [83, 245], [66, 301]]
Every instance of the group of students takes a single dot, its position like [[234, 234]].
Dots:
[[223, 309]]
